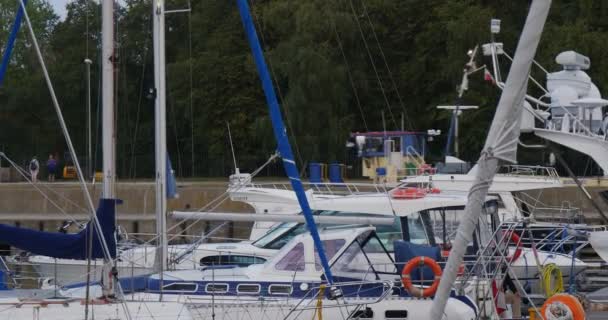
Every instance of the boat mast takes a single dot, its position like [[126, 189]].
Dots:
[[107, 78], [280, 133], [6, 57], [158, 16], [501, 145]]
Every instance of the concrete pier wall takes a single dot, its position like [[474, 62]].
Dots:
[[22, 204], [46, 206]]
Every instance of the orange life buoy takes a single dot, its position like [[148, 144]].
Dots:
[[514, 237], [561, 304], [409, 193], [406, 277], [435, 190]]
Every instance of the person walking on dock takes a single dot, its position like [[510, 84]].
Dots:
[[34, 168], [51, 167]]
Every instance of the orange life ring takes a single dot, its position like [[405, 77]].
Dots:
[[435, 190], [406, 277], [409, 193], [563, 302], [514, 237]]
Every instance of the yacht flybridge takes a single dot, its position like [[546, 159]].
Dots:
[[571, 112]]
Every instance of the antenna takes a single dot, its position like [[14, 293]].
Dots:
[[236, 169]]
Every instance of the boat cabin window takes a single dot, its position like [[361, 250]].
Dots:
[[279, 289], [270, 239], [331, 248], [395, 314], [293, 260], [248, 289], [439, 226], [365, 259], [216, 288], [181, 287], [238, 260], [414, 231], [278, 237]]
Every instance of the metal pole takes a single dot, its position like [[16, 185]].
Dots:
[[456, 150], [161, 136], [107, 76], [88, 63]]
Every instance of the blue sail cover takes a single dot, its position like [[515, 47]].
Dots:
[[66, 246]]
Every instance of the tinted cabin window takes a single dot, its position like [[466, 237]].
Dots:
[[293, 260], [185, 287], [331, 248], [216, 288], [241, 261], [248, 288], [279, 289], [395, 314]]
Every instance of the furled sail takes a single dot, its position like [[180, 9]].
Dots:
[[67, 246], [501, 145]]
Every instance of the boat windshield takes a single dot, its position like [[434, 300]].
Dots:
[[277, 237], [443, 223], [365, 259], [267, 241]]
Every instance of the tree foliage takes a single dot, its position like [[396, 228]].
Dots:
[[339, 67]]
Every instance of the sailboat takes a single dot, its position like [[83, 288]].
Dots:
[[328, 272], [96, 240]]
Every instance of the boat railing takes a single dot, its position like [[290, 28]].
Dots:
[[574, 124], [329, 188], [529, 171], [555, 238], [566, 213]]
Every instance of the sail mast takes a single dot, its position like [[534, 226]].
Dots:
[[501, 145], [6, 57], [107, 78], [158, 16], [280, 133]]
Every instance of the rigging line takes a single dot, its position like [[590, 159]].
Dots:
[[530, 76], [215, 203], [371, 60], [86, 34], [284, 103], [390, 73], [190, 62], [221, 199], [25, 176], [133, 162], [348, 71], [87, 195], [48, 188]]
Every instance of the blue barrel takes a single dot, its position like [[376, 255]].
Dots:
[[381, 171], [314, 172], [335, 173]]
